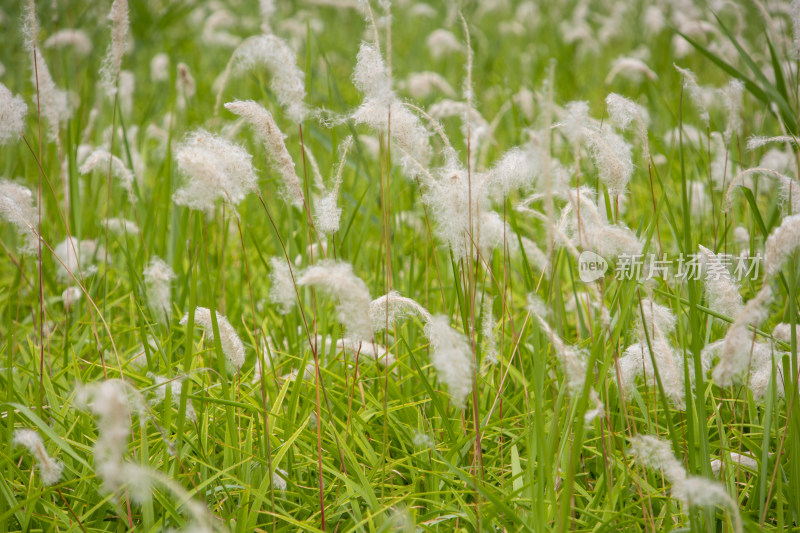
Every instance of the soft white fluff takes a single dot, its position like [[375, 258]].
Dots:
[[655, 453], [101, 160], [327, 213], [721, 290], [392, 307], [781, 244], [110, 402], [121, 226], [737, 459], [17, 207], [267, 130], [12, 115], [699, 95], [232, 346], [49, 468], [52, 102], [216, 168], [158, 277], [281, 290], [739, 342], [422, 84], [159, 67], [352, 296], [75, 257], [71, 295], [120, 25], [77, 39], [654, 324], [442, 43], [273, 53], [452, 358], [174, 385], [631, 68], [408, 135]]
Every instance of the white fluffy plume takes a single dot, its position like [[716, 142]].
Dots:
[[158, 277], [232, 346], [452, 358], [12, 116], [216, 168], [120, 25], [273, 53], [267, 130], [17, 207], [49, 468], [352, 295]]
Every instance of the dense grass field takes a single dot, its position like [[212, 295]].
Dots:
[[331, 265]]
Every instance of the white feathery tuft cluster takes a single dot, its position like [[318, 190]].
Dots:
[[267, 130], [75, 257], [755, 142], [71, 295], [631, 68], [515, 170], [721, 291], [159, 67], [452, 358], [612, 157], [157, 279], [408, 135], [474, 127], [739, 351], [232, 346], [490, 352], [273, 53], [591, 231], [737, 459], [326, 212], [642, 358], [742, 179], [267, 9], [12, 116], [571, 358], [100, 160], [783, 332], [781, 244], [655, 453], [121, 226], [49, 468], [396, 307], [442, 43], [609, 151], [111, 403], [281, 291], [175, 391], [216, 168], [739, 343], [353, 301], [699, 95], [120, 25], [70, 37], [17, 207], [52, 102], [732, 94], [624, 111], [422, 84]]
